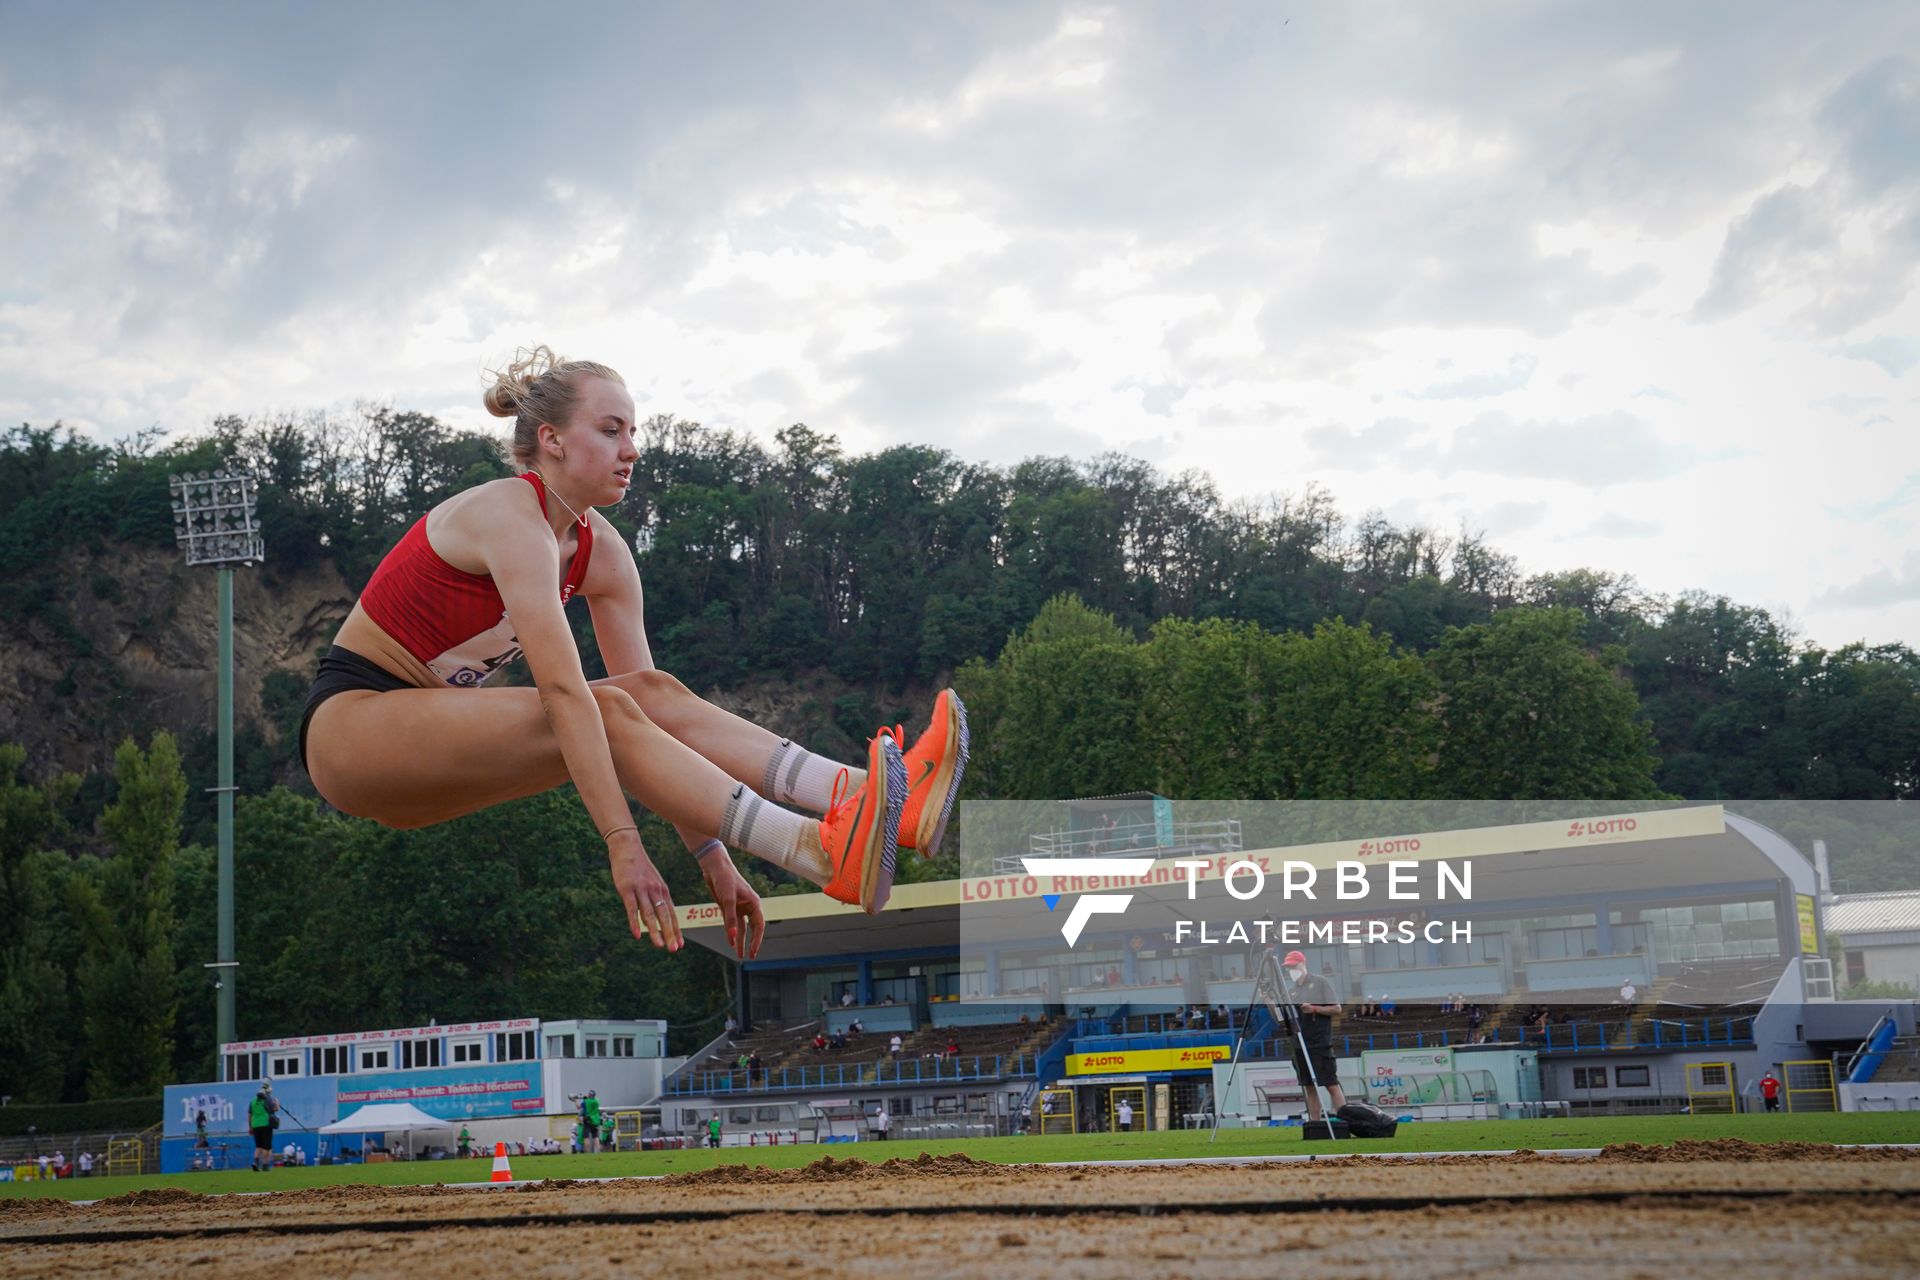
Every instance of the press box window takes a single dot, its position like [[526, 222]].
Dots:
[[420, 1053], [1589, 1077], [243, 1066], [513, 1046], [623, 1046], [283, 1064], [1633, 1077], [375, 1059], [596, 1046], [335, 1060], [469, 1051], [559, 1046]]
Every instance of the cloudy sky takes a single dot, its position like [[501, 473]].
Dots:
[[1626, 286]]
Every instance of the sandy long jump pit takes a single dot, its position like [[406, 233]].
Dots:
[[1699, 1208]]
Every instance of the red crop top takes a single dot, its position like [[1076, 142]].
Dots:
[[453, 621]]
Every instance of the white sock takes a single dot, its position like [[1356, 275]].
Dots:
[[767, 831], [796, 776]]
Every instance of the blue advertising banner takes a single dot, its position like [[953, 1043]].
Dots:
[[450, 1093], [305, 1105], [304, 1102]]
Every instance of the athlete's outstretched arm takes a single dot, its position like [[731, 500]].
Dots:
[[518, 547], [618, 605]]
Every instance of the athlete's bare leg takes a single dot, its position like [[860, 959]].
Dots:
[[740, 747], [414, 757]]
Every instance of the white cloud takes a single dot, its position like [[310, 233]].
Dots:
[[1281, 247]]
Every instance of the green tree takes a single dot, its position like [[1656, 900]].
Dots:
[[1528, 713], [124, 907]]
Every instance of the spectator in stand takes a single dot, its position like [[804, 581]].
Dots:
[[756, 1070], [1387, 1006], [846, 998], [1628, 992], [1473, 1017], [838, 1042], [1770, 1091], [856, 1027], [1113, 975], [893, 1046], [819, 1041], [953, 1048], [887, 998], [733, 1025]]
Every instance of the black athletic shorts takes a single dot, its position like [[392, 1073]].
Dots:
[[263, 1138], [341, 670], [1326, 1070]]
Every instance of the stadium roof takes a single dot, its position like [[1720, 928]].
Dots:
[[1673, 851], [1853, 914]]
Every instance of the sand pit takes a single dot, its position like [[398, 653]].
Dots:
[[1656, 1212]]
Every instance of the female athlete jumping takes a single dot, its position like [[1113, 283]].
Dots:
[[400, 728]]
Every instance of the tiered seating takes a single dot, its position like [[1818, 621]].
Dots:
[[793, 1049]]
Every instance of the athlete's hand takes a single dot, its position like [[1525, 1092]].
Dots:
[[642, 891], [739, 905]]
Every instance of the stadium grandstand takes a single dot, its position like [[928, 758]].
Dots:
[[1652, 962], [1662, 961]]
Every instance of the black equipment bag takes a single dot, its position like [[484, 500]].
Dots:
[[1324, 1130], [1364, 1120]]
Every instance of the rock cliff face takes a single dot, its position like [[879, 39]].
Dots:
[[130, 645]]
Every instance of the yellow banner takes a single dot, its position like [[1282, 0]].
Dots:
[[1137, 1061], [1809, 931]]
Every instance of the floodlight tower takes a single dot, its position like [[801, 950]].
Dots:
[[214, 523]]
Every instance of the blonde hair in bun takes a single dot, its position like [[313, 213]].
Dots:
[[536, 387]]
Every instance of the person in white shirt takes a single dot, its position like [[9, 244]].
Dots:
[[86, 1164], [1124, 1115], [881, 1123], [893, 1045], [1628, 991]]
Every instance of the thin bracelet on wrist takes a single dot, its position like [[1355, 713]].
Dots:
[[608, 835], [708, 849]]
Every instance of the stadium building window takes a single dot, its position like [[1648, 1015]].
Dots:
[[469, 1051], [243, 1066], [1589, 1077], [623, 1046], [1633, 1077], [513, 1046], [284, 1064], [334, 1060], [375, 1059], [420, 1053], [596, 1046], [559, 1046]]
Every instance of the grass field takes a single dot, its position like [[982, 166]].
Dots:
[[1490, 1135]]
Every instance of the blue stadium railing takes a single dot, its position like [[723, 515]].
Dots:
[[1561, 1037], [833, 1075]]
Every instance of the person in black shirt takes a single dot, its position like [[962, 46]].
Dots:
[[1314, 998]]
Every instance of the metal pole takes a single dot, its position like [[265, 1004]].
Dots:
[[229, 973]]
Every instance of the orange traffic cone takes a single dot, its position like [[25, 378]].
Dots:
[[501, 1171]]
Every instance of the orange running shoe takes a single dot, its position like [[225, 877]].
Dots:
[[934, 768], [861, 832]]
